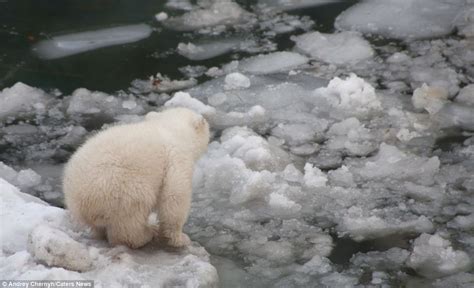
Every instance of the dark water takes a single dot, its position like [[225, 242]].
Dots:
[[25, 22]]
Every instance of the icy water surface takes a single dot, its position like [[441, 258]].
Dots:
[[342, 150], [24, 23]]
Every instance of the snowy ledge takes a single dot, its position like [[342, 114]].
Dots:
[[40, 243]]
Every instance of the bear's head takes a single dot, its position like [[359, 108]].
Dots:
[[187, 124]]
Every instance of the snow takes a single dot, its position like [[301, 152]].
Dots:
[[39, 242], [384, 18], [332, 48], [272, 63], [55, 248], [75, 43], [434, 257]]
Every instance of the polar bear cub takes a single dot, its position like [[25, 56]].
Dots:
[[124, 173]]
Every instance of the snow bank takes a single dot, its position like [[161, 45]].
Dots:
[[71, 44], [408, 19], [39, 242], [332, 48]]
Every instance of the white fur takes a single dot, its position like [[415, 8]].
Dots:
[[122, 174]]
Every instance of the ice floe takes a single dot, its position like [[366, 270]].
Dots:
[[70, 44], [211, 14], [332, 48], [398, 19]]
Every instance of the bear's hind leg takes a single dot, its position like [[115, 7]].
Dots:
[[174, 203], [132, 232]]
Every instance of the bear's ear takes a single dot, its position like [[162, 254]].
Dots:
[[199, 123], [152, 115]]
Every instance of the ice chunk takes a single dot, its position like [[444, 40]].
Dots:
[[352, 137], [179, 4], [162, 83], [293, 4], [236, 81], [465, 21], [21, 98], [431, 99], [392, 163], [421, 19], [332, 48], [211, 49], [28, 178], [217, 13], [55, 248], [423, 193], [362, 225], [316, 266], [434, 257], [282, 205], [298, 134], [85, 102], [392, 259], [462, 222], [466, 95], [25, 179], [272, 63], [456, 115], [183, 99], [337, 279], [254, 150], [341, 177], [437, 78], [314, 177], [353, 96], [70, 44], [162, 16]]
